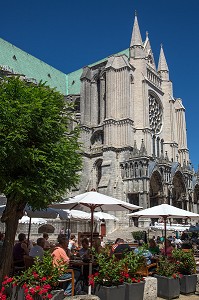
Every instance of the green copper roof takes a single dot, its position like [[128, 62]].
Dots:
[[74, 84], [24, 63]]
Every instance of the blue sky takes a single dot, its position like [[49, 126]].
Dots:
[[71, 34]]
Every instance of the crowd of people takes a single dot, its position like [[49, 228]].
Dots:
[[67, 248]]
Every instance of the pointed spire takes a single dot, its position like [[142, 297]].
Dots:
[[149, 52], [162, 64], [136, 39]]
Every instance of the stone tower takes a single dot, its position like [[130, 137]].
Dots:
[[134, 130]]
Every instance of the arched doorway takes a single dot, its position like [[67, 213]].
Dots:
[[156, 189], [179, 191]]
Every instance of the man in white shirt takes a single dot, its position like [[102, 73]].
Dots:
[[38, 250]]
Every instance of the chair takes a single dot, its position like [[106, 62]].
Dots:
[[28, 261], [72, 279], [147, 270]]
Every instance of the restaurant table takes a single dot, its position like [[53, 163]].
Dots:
[[78, 263]]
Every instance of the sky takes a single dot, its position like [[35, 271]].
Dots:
[[69, 35]]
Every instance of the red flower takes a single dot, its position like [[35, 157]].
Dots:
[[49, 296], [47, 286], [35, 275], [43, 279], [174, 276]]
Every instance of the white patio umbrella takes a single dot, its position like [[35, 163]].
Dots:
[[91, 202], [94, 201], [164, 211], [105, 216], [78, 215], [26, 220]]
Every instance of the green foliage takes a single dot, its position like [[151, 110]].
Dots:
[[185, 261], [40, 279], [167, 268], [133, 262], [39, 151], [109, 273], [138, 235]]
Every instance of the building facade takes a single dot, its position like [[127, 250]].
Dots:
[[133, 128]]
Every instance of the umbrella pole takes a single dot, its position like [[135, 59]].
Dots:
[[92, 221], [165, 234], [29, 227]]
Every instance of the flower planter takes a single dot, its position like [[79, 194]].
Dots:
[[110, 293], [134, 291], [167, 287], [188, 284], [19, 295]]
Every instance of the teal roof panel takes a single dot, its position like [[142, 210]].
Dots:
[[25, 64]]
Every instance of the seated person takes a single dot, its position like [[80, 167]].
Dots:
[[47, 244], [97, 246], [120, 247], [153, 248], [20, 249], [144, 252], [169, 248], [59, 254], [72, 243], [84, 252], [38, 249]]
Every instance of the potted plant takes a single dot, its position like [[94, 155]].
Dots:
[[186, 265], [134, 283], [168, 284], [37, 282], [108, 280]]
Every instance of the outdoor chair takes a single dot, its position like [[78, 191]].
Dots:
[[72, 279], [147, 270]]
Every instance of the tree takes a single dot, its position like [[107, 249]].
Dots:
[[39, 155]]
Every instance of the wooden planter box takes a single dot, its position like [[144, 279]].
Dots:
[[188, 284], [134, 291], [110, 293], [168, 288]]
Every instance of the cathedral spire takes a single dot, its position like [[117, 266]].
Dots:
[[149, 52], [136, 47], [162, 64], [136, 39]]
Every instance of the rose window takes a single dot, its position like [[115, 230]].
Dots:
[[155, 114]]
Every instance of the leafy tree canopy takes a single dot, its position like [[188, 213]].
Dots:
[[39, 153]]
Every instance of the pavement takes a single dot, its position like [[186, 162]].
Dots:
[[185, 297]]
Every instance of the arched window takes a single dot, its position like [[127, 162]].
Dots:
[[153, 141], [162, 146], [98, 167], [158, 146], [98, 101]]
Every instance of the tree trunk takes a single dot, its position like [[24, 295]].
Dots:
[[13, 212]]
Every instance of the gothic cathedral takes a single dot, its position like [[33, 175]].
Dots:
[[133, 129]]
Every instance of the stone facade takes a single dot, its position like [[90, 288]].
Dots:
[[134, 130]]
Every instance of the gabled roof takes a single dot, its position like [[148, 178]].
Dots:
[[25, 64], [22, 63]]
